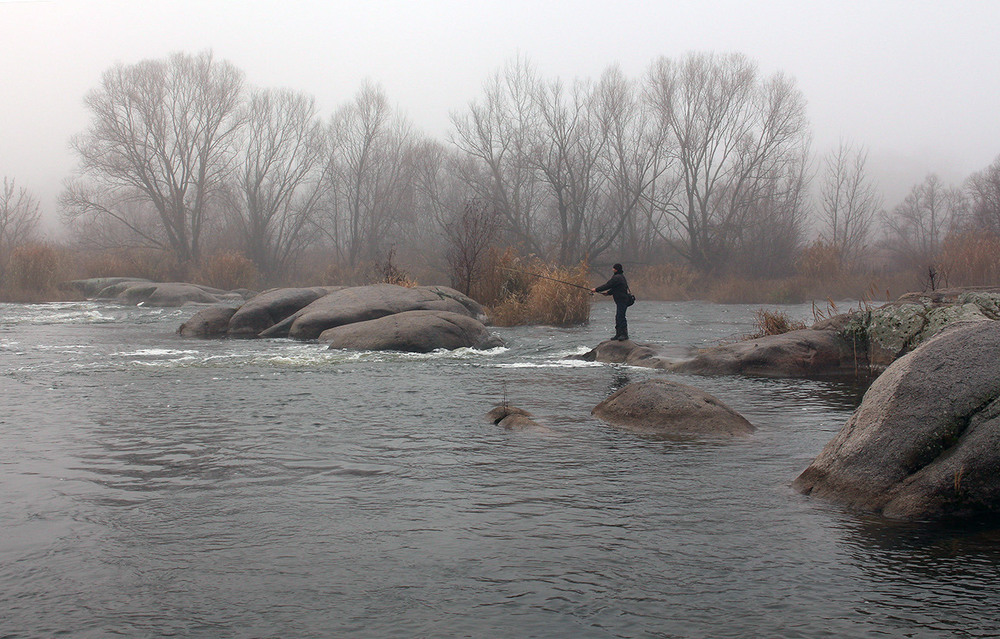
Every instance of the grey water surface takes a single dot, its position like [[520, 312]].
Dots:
[[152, 486]]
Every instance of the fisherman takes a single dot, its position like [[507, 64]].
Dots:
[[617, 288]]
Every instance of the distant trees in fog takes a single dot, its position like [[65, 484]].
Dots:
[[701, 160], [19, 218], [279, 178], [703, 156], [984, 191], [916, 228], [849, 203], [738, 146], [158, 150]]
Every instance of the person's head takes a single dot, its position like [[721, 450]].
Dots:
[[618, 268]]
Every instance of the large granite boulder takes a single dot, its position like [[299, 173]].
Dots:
[[925, 441], [664, 408], [363, 303], [412, 331], [270, 307], [212, 321]]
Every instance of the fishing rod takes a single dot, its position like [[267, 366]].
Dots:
[[546, 277]]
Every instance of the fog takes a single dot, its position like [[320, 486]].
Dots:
[[917, 83]]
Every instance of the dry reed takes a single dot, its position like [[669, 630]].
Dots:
[[530, 291], [228, 270], [773, 322]]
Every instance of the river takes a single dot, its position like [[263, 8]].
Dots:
[[154, 486]]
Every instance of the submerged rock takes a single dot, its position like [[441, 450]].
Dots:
[[412, 331], [925, 442], [665, 408], [512, 418]]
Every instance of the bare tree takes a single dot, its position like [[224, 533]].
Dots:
[[983, 188], [734, 136], [919, 224], [160, 135], [19, 218], [636, 161], [371, 176], [470, 236], [499, 134], [278, 179], [849, 202], [569, 143]]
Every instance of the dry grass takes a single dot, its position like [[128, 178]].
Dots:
[[228, 270], [666, 282], [970, 259], [524, 294], [32, 274], [773, 322]]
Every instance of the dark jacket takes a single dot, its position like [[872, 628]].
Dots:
[[617, 285]]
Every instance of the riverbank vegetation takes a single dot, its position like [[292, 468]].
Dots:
[[553, 173]]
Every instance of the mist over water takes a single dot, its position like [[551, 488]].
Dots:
[[155, 486]]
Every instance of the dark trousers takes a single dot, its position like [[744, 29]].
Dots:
[[621, 324]]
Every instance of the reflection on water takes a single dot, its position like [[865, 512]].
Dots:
[[155, 486]]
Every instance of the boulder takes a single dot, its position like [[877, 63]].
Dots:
[[208, 322], [925, 441], [360, 304], [626, 352], [801, 353], [412, 331], [474, 308], [166, 294], [93, 286], [512, 418], [664, 408], [270, 307]]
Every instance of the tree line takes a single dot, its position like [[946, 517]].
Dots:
[[702, 160]]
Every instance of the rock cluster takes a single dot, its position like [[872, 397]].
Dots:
[[376, 317], [146, 293]]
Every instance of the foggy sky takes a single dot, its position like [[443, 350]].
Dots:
[[917, 82]]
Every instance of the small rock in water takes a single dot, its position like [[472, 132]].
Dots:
[[662, 407]]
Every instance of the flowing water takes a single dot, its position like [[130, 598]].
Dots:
[[153, 486]]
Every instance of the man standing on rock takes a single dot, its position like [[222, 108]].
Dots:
[[617, 288]]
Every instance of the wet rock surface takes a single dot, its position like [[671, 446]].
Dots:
[[208, 322], [925, 442], [412, 331], [513, 418], [663, 408]]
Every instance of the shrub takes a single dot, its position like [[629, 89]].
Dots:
[[540, 293], [819, 261], [774, 322], [388, 273]]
